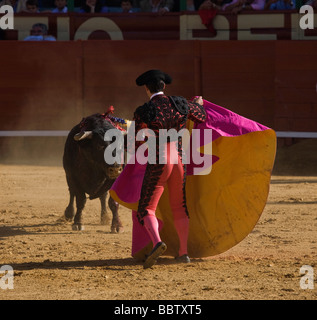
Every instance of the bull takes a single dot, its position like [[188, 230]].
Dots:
[[87, 171]]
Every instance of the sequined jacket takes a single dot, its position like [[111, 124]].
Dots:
[[163, 112]]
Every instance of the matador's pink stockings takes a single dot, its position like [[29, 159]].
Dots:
[[172, 176]]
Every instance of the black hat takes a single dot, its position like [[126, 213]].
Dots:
[[153, 76]]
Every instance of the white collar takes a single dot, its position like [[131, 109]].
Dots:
[[155, 94]]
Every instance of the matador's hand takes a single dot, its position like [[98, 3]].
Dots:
[[198, 100]]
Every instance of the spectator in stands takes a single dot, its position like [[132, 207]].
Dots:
[[126, 6], [237, 6], [12, 3], [159, 6], [279, 5], [39, 32], [21, 6], [190, 5], [60, 6], [31, 6], [93, 6], [210, 4]]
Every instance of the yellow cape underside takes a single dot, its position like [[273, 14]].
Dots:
[[225, 205]]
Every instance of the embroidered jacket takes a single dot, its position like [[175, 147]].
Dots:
[[163, 112]]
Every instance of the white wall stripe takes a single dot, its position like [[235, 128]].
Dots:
[[34, 133], [61, 133], [296, 134]]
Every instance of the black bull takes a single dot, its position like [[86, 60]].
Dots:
[[87, 171]]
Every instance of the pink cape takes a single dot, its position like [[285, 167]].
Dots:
[[225, 125]]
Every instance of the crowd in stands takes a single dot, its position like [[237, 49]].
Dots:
[[158, 6], [39, 31]]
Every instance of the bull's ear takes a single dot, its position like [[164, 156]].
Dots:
[[83, 135]]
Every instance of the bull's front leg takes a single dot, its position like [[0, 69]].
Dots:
[[80, 204], [69, 211], [104, 217], [116, 225]]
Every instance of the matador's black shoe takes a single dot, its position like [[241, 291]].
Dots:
[[151, 259], [183, 259]]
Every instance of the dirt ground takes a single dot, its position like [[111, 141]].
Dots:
[[50, 261]]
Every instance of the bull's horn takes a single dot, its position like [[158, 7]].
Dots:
[[83, 135]]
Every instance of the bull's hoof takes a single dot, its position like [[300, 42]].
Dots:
[[69, 214], [118, 229], [78, 227]]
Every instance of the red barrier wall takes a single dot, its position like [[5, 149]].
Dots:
[[51, 86], [296, 86], [40, 85]]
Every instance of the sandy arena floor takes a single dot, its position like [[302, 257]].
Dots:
[[51, 261]]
